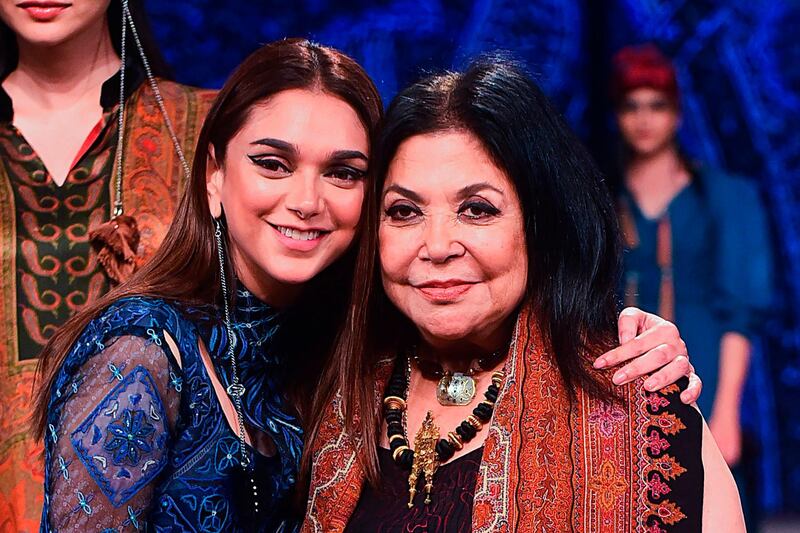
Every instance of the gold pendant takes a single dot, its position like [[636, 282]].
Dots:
[[455, 389], [425, 460]]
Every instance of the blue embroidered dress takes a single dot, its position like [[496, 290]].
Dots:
[[138, 441]]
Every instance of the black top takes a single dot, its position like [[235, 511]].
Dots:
[[385, 509]]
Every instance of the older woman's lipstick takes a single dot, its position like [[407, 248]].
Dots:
[[444, 291]]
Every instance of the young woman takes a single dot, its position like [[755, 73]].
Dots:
[[499, 255], [164, 402], [59, 133], [178, 400]]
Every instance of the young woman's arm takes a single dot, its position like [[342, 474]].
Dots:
[[110, 428], [652, 347]]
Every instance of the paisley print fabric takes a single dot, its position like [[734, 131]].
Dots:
[[57, 272], [137, 439], [551, 462], [48, 270]]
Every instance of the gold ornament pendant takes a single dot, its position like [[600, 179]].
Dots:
[[455, 389], [425, 460]]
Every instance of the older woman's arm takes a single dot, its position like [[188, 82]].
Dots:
[[653, 346], [722, 510]]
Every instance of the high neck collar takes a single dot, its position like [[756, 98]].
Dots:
[[251, 313]]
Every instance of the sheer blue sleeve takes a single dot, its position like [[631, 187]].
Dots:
[[110, 441]]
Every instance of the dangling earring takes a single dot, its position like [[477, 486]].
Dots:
[[235, 389], [117, 240]]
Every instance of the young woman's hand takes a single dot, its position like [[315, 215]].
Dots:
[[651, 346]]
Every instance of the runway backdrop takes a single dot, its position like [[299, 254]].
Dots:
[[739, 71]]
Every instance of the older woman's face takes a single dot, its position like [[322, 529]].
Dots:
[[452, 239]]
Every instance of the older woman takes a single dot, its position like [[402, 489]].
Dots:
[[499, 248]]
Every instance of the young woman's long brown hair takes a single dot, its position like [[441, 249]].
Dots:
[[185, 267]]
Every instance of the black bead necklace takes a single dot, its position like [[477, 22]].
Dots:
[[394, 410]]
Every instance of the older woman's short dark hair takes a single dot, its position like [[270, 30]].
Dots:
[[570, 223]]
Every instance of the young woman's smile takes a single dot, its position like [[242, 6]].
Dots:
[[291, 186]]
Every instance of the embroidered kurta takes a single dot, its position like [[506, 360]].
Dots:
[[550, 463], [718, 276], [137, 438], [48, 269]]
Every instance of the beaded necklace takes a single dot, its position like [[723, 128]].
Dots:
[[429, 450]]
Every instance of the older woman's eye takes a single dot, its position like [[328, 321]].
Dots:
[[402, 212], [270, 163], [478, 210]]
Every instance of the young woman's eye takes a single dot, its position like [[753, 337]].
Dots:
[[346, 174], [402, 212], [478, 210], [270, 163]]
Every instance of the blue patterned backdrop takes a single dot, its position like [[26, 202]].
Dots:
[[739, 69]]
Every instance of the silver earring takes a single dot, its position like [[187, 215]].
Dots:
[[235, 389]]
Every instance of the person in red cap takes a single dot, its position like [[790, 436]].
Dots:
[[697, 239]]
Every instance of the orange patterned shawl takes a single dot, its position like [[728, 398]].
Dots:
[[548, 464], [153, 181]]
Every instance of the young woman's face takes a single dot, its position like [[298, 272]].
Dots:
[[291, 186], [52, 22], [648, 121], [452, 239]]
